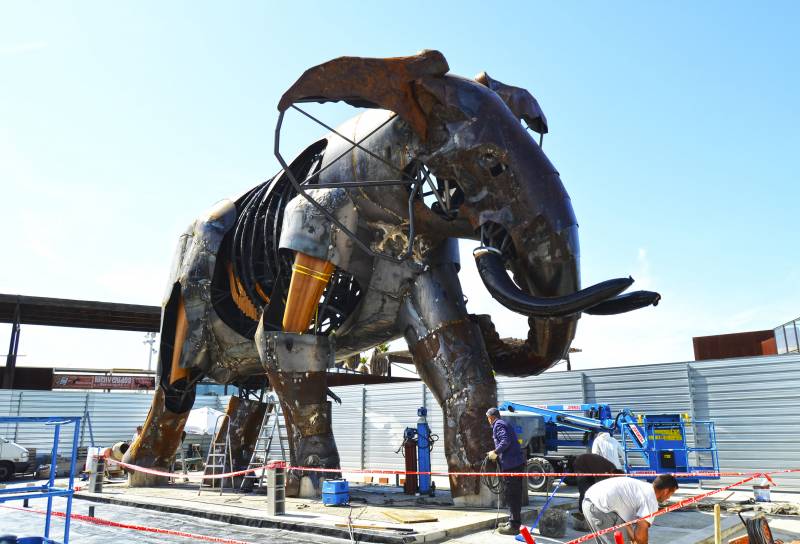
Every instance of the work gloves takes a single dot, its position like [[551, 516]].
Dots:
[[491, 455]]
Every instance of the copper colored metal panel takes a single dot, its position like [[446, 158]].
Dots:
[[725, 346], [769, 347]]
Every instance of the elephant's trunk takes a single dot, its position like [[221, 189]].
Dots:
[[547, 343]]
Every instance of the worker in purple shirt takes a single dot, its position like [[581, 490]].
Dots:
[[506, 447]]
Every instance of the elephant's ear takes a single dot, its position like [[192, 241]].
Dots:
[[520, 101], [372, 83]]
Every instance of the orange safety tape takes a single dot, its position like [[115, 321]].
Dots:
[[109, 523]]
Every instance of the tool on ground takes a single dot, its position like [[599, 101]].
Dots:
[[375, 527]]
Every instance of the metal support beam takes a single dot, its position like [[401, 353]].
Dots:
[[13, 348]]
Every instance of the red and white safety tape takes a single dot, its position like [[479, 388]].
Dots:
[[642, 474]]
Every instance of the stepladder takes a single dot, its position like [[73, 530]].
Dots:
[[271, 445], [220, 458]]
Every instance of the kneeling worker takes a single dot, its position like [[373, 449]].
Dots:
[[616, 500], [506, 446]]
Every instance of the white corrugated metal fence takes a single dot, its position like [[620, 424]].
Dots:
[[752, 401]]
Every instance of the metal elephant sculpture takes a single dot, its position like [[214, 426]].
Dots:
[[355, 243]]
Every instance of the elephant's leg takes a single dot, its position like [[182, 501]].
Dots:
[[245, 418], [308, 418], [296, 366], [162, 430], [451, 359]]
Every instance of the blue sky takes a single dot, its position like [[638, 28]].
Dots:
[[674, 127]]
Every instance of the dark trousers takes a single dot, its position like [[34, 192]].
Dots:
[[591, 464], [584, 483], [513, 495]]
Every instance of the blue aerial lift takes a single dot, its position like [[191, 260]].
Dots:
[[651, 443]]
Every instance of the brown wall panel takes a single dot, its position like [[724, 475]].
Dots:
[[724, 346]]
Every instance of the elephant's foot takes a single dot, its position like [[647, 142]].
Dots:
[[453, 363], [317, 451], [484, 499], [156, 445]]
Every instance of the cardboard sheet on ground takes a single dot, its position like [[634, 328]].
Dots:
[[203, 421]]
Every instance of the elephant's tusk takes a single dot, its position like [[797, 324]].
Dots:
[[504, 290], [625, 303]]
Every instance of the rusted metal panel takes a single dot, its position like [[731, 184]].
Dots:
[[156, 446], [383, 83], [723, 346]]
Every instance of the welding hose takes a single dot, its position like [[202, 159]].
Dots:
[[495, 484]]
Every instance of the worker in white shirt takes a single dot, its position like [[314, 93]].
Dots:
[[621, 499], [609, 447]]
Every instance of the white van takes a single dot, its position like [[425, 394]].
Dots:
[[13, 459]]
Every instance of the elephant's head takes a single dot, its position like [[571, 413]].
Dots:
[[510, 193]]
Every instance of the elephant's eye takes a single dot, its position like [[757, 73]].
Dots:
[[497, 169]]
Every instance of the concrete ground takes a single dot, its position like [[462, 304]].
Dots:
[[242, 517], [27, 522], [378, 513]]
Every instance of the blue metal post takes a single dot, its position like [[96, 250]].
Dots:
[[52, 481], [73, 460], [423, 450], [546, 504]]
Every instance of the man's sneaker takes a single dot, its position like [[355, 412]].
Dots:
[[508, 529]]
